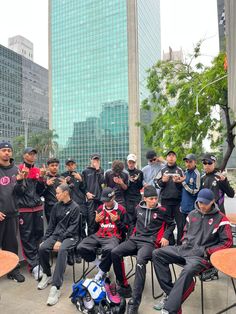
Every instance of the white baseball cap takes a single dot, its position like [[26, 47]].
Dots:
[[132, 157]]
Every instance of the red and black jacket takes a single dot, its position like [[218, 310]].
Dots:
[[152, 224], [206, 233], [109, 229]]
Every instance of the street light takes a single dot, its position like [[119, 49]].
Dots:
[[197, 113]]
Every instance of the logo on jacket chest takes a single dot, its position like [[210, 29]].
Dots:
[[154, 216], [210, 221]]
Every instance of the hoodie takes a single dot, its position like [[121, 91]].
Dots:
[[7, 195]]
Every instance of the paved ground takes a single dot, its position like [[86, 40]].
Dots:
[[26, 299]]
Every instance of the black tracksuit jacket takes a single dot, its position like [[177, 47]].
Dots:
[[93, 180], [64, 221], [49, 192], [77, 188], [152, 224]]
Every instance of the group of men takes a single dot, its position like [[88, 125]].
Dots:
[[106, 211]]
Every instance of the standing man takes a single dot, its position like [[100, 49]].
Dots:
[[132, 194], [8, 211], [169, 180], [151, 170], [191, 186], [215, 181], [117, 179], [29, 187], [93, 177], [77, 186]]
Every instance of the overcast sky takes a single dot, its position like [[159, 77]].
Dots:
[[183, 24]]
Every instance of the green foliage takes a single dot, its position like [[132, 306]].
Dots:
[[173, 88], [44, 142]]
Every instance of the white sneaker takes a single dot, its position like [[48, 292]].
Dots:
[[88, 302], [99, 275], [54, 295], [160, 305], [44, 282], [37, 272]]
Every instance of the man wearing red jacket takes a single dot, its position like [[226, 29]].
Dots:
[[207, 231]]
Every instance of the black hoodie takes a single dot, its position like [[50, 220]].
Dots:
[[93, 180], [7, 195]]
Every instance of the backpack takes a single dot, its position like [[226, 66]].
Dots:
[[78, 291], [96, 289]]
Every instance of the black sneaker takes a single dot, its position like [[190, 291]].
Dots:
[[16, 275], [124, 291], [132, 308]]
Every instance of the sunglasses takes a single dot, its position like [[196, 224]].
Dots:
[[154, 159], [207, 162]]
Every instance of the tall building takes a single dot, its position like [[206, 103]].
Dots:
[[22, 46], [23, 95], [99, 52]]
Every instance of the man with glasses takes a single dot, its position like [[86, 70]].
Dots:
[[191, 186], [215, 181], [150, 171]]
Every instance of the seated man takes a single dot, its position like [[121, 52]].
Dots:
[[61, 235], [207, 231], [153, 229], [111, 230]]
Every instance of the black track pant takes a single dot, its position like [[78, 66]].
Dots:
[[174, 212], [184, 285], [61, 262], [31, 232], [88, 248], [130, 209], [92, 207], [143, 250], [8, 234]]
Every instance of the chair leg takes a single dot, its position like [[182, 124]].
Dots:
[[202, 296], [153, 284], [173, 268], [131, 272]]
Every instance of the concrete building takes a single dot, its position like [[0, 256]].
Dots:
[[99, 52], [22, 46], [23, 95]]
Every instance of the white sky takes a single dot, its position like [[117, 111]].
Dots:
[[183, 23]]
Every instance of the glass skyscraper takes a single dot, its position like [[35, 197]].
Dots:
[[99, 51]]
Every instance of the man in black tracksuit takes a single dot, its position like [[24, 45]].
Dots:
[[77, 187], [61, 235], [135, 184], [93, 177], [207, 231], [153, 228], [169, 180], [29, 187], [52, 181], [8, 211], [215, 181]]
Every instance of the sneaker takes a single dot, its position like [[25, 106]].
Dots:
[[54, 295], [163, 311], [112, 294], [160, 305], [37, 272], [44, 282], [16, 275], [100, 275], [125, 291], [132, 308], [88, 302]]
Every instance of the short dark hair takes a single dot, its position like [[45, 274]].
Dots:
[[151, 154], [118, 166], [64, 187], [53, 160]]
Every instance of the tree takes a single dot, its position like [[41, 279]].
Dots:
[[174, 87], [44, 142]]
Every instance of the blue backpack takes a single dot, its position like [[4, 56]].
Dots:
[[78, 291]]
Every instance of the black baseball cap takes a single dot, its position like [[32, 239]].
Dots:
[[95, 156], [28, 150], [107, 194], [151, 154], [53, 160], [68, 160], [171, 152], [209, 157], [190, 157], [5, 144], [205, 196]]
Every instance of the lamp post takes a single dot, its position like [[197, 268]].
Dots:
[[197, 113]]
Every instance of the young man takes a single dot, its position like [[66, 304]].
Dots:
[[151, 170], [132, 194], [77, 186], [207, 231], [29, 187], [191, 186], [117, 179], [93, 177], [169, 180], [110, 218], [52, 181], [8, 211], [152, 229], [215, 181], [61, 235]]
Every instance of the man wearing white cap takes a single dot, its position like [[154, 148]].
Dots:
[[133, 195]]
